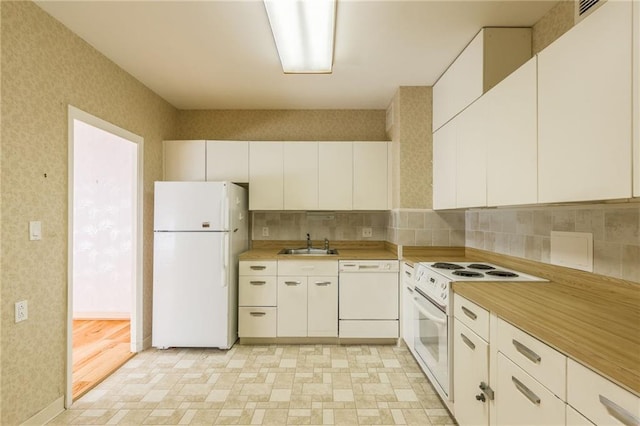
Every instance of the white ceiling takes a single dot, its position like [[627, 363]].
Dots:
[[221, 54]]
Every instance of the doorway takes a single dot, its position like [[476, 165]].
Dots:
[[105, 250]]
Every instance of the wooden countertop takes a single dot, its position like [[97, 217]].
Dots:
[[592, 319], [347, 250]]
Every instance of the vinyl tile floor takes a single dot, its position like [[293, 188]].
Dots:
[[264, 385]]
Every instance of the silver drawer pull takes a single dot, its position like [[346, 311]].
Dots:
[[528, 353], [257, 282], [407, 273], [619, 413], [258, 267], [257, 314], [323, 283], [410, 289], [292, 282], [526, 391], [468, 342], [468, 313]]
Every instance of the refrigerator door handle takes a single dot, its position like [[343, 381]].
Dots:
[[225, 259]]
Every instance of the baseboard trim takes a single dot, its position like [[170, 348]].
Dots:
[[46, 414]]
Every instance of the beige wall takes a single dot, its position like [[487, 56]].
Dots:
[[44, 69], [287, 125]]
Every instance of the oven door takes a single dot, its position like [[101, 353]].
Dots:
[[432, 340]]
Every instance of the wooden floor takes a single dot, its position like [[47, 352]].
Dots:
[[99, 348]]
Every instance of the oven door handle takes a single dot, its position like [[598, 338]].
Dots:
[[427, 313]]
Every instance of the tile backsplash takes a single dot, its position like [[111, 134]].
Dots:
[[525, 232], [336, 226], [422, 227]]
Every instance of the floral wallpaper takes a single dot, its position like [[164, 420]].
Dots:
[[552, 25], [45, 68]]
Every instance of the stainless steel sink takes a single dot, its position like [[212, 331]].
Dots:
[[309, 251]]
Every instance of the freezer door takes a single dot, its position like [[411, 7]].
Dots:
[[191, 290], [191, 206]]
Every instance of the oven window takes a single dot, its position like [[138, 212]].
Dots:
[[431, 340]]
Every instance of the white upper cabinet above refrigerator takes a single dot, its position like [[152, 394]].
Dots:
[[228, 160]]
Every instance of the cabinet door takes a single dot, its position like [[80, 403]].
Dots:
[[335, 175], [266, 176], [444, 167], [512, 145], [322, 316], [370, 176], [292, 306], [471, 156], [300, 175], [184, 160], [407, 309], [470, 368], [636, 99], [228, 160], [576, 419], [584, 109], [522, 400]]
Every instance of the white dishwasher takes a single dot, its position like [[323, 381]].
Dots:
[[368, 299]]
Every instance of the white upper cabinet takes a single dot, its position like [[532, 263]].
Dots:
[[335, 175], [266, 176], [300, 175], [584, 109], [444, 166], [471, 155], [370, 176], [184, 160], [636, 98], [512, 166], [493, 54], [228, 160]]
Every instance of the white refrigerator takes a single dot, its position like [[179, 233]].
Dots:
[[200, 228]]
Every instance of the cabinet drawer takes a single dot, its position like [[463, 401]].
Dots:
[[544, 363], [255, 267], [600, 400], [407, 274], [257, 291], [257, 322], [306, 267], [471, 315], [522, 400]]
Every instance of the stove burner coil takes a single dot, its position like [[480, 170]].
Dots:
[[480, 266], [444, 265], [502, 274], [467, 274]]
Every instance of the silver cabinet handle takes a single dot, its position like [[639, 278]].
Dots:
[[292, 282], [257, 282], [487, 390], [528, 353], [258, 267], [257, 314], [468, 342], [468, 313], [410, 289], [407, 273], [526, 391], [619, 413], [323, 283]]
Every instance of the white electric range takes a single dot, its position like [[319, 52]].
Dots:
[[433, 313]]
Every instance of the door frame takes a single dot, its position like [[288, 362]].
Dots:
[[136, 308]]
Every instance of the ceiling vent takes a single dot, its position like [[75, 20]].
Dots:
[[584, 8]]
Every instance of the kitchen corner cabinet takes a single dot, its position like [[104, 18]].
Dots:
[[228, 161], [266, 175], [307, 298], [512, 144], [370, 176], [584, 109], [300, 175], [185, 160], [487, 59], [335, 175]]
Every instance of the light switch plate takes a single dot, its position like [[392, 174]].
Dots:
[[35, 230], [572, 249]]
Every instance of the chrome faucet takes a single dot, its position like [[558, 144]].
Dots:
[[308, 241]]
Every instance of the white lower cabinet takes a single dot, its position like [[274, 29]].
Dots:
[[257, 299], [576, 419], [471, 370], [257, 321], [522, 400], [406, 315], [307, 298]]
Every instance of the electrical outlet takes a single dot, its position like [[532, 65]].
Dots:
[[22, 312], [367, 232], [265, 231]]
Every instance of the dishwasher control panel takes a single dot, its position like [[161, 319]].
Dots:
[[369, 266]]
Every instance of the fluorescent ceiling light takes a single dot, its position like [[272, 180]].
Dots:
[[303, 31]]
